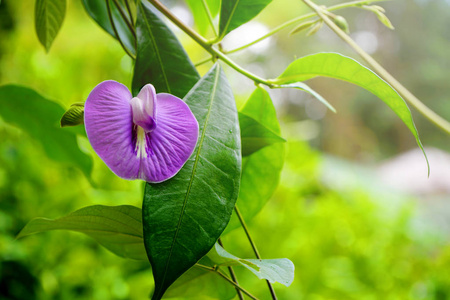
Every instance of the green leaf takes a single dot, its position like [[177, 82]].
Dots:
[[39, 117], [117, 228], [160, 60], [200, 284], [48, 18], [341, 67], [255, 136], [98, 11], [302, 86], [234, 13], [185, 215], [261, 169], [200, 15], [275, 270]]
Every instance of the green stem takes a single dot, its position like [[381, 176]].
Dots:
[[405, 93], [252, 243], [203, 61], [233, 275], [205, 44], [125, 18], [111, 20], [298, 19], [237, 286], [210, 18]]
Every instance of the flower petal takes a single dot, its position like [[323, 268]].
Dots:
[[144, 108], [109, 127], [172, 142]]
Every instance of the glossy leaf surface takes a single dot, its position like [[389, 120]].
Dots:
[[184, 216], [48, 17], [234, 13], [117, 228], [40, 117], [337, 66], [161, 60], [262, 168], [98, 11]]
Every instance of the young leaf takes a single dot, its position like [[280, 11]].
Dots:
[[262, 168], [117, 228], [184, 216], [98, 11], [39, 117], [160, 60], [48, 18], [234, 13], [337, 66], [255, 136], [275, 270], [201, 18], [304, 87]]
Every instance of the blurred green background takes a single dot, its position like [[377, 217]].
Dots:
[[357, 221]]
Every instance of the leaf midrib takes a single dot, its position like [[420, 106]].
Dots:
[[213, 92], [156, 50], [229, 19]]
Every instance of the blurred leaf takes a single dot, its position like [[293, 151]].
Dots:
[[255, 136], [184, 216], [302, 86], [275, 270], [73, 116], [200, 16], [117, 228], [303, 26], [98, 11], [39, 117], [48, 17], [161, 59], [262, 168], [341, 67], [200, 284], [235, 13]]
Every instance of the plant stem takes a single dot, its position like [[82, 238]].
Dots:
[[203, 61], [125, 18], [232, 274], [298, 19], [237, 286], [205, 44], [210, 18], [405, 93], [252, 243], [111, 20]]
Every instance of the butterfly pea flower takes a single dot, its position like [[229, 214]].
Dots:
[[148, 137]]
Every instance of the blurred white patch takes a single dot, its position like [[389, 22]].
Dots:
[[302, 130], [408, 172], [246, 34], [315, 110], [366, 40]]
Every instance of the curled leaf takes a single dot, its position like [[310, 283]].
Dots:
[[73, 116], [315, 28], [303, 26]]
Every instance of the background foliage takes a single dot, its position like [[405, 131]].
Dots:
[[348, 234]]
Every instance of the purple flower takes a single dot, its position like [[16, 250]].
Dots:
[[148, 137]]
